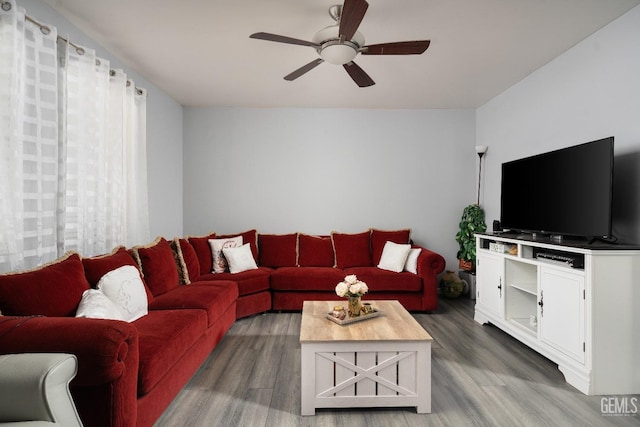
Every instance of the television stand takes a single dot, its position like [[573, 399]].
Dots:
[[558, 238], [574, 303]]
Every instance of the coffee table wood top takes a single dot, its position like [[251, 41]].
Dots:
[[394, 324]]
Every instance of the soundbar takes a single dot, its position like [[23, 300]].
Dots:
[[572, 260]]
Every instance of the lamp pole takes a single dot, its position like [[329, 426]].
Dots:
[[481, 150]]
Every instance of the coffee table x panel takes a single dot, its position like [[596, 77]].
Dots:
[[381, 362]]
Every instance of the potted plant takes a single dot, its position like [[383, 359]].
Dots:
[[472, 222]]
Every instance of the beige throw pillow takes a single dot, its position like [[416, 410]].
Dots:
[[217, 245]]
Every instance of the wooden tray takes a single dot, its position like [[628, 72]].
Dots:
[[348, 320]]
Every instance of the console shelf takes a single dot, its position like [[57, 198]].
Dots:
[[570, 310], [530, 288]]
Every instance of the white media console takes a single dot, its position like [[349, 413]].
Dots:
[[582, 313]]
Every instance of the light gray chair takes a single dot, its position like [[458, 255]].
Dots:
[[34, 390]]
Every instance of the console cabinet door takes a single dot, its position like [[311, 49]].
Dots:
[[561, 311], [489, 282]]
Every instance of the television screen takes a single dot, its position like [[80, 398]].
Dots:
[[567, 192]]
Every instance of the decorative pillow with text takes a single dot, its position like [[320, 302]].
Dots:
[[217, 245]]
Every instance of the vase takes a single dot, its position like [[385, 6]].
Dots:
[[355, 306]]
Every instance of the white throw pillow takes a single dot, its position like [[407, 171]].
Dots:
[[95, 305], [394, 256], [124, 287], [217, 245], [412, 261], [240, 259]]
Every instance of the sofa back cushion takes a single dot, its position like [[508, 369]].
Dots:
[[186, 260], [380, 237], [54, 289], [315, 251], [352, 250], [203, 251], [96, 267], [278, 250], [158, 266], [249, 236]]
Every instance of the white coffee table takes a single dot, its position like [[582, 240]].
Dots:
[[379, 362]]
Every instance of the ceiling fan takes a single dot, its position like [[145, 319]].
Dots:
[[340, 43]]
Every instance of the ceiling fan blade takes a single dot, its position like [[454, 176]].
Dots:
[[305, 68], [398, 48], [352, 13], [282, 39], [358, 75]]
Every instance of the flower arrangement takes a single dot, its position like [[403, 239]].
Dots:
[[351, 287]]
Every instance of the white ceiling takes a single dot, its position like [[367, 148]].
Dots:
[[200, 53]]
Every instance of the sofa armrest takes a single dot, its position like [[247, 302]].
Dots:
[[35, 387], [105, 349], [430, 264]]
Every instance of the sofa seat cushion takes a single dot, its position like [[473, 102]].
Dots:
[[163, 337], [249, 282], [379, 280], [213, 297], [306, 278]]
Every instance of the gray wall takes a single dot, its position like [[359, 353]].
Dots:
[[590, 92], [318, 170], [164, 130]]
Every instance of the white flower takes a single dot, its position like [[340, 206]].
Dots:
[[351, 287], [364, 288], [341, 289], [354, 289], [351, 279], [358, 288]]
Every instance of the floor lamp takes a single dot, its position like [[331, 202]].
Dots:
[[480, 149]]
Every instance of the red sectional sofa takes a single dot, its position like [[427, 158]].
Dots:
[[130, 371], [296, 267]]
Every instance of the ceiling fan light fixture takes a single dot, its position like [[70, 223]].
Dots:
[[332, 50], [338, 53], [340, 43]]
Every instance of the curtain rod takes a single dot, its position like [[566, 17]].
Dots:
[[6, 6], [46, 30]]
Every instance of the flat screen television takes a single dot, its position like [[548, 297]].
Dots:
[[566, 192]]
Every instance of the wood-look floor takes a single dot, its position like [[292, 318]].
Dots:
[[480, 377]]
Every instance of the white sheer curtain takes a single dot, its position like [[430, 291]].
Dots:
[[129, 112], [28, 141], [137, 216], [73, 149]]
